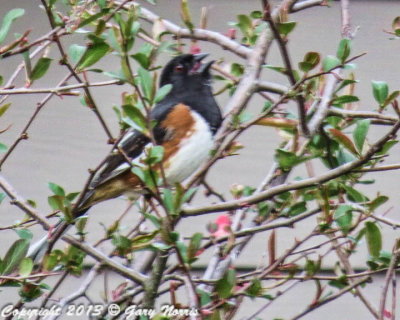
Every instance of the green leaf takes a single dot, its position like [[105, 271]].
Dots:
[[8, 20], [286, 27], [185, 15], [56, 189], [134, 114], [343, 140], [76, 52], [162, 92], [168, 200], [188, 195], [310, 61], [14, 256], [194, 246], [360, 133], [94, 53], [56, 202], [345, 99], [343, 217], [182, 250], [386, 147], [378, 201], [146, 83], [374, 238], [255, 288], [3, 148], [396, 26], [237, 69], [93, 17], [297, 208], [329, 63], [40, 69], [2, 196], [142, 59], [245, 24], [156, 154], [139, 172], [344, 49], [380, 90], [286, 159], [354, 195], [24, 234], [25, 267], [225, 285], [4, 108], [391, 97]]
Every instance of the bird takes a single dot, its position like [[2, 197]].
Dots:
[[186, 121]]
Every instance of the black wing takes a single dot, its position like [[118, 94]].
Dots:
[[132, 145]]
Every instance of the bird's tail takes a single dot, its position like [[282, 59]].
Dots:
[[37, 250], [40, 247]]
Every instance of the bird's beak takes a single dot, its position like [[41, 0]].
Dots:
[[205, 67], [199, 67], [200, 56]]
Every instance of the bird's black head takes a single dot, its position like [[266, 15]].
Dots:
[[182, 69]]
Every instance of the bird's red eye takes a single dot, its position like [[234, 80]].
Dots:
[[179, 68]]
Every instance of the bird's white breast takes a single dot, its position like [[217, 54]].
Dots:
[[194, 149]]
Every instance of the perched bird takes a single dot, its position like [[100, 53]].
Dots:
[[186, 122]]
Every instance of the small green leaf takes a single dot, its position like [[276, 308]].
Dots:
[[168, 200], [134, 114], [162, 92], [56, 189], [287, 159], [391, 97], [360, 133], [8, 20], [329, 63], [386, 147], [3, 148], [142, 59], [25, 267], [354, 195], [24, 234], [14, 256], [93, 17], [345, 99], [146, 83], [378, 201], [40, 69], [185, 15], [396, 26], [344, 49], [225, 285], [237, 69], [343, 217], [245, 24], [56, 202], [255, 288], [310, 61], [94, 53], [380, 90], [156, 154], [2, 196], [76, 52], [286, 27], [194, 246], [4, 108], [374, 238]]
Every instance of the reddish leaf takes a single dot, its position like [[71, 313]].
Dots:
[[343, 140]]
